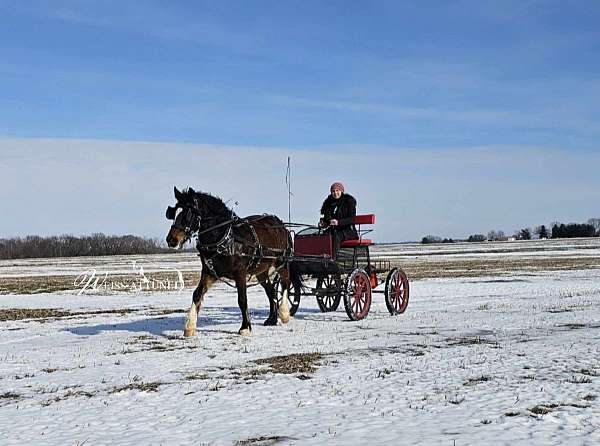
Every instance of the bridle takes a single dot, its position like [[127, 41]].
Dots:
[[192, 222], [188, 221]]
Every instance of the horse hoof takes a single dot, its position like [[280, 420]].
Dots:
[[269, 322], [187, 333], [244, 332]]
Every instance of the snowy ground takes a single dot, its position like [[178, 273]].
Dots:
[[484, 359]]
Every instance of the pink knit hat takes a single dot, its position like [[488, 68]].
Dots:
[[337, 185]]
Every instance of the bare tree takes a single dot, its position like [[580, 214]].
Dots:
[[34, 246], [477, 238], [496, 236], [523, 234], [595, 222]]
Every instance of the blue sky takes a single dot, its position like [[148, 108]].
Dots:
[[426, 80]]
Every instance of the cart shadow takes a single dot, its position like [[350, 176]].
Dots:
[[309, 313]]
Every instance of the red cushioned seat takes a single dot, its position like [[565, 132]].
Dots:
[[353, 243], [367, 219]]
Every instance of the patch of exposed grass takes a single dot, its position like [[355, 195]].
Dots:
[[70, 393], [52, 284], [558, 310], [294, 363], [26, 375], [262, 441], [141, 386], [542, 409], [471, 340], [576, 405], [36, 284], [477, 380], [383, 373], [425, 268], [196, 376], [152, 346], [456, 400], [16, 314], [86, 393], [143, 337], [511, 413], [574, 326], [9, 396], [168, 311], [120, 311], [579, 380], [529, 377], [589, 397]]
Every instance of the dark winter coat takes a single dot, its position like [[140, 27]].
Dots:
[[343, 210]]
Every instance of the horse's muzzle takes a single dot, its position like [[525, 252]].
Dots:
[[175, 239]]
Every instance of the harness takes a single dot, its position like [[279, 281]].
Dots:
[[231, 244]]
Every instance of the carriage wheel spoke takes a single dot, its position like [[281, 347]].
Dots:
[[396, 291]]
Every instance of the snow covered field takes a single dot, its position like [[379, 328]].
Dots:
[[504, 350]]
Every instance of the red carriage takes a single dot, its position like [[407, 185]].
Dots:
[[349, 275]]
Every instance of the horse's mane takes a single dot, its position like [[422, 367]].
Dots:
[[212, 202]]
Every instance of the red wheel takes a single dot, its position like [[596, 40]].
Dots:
[[357, 298], [396, 291], [329, 292]]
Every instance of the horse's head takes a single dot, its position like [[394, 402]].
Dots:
[[186, 218]]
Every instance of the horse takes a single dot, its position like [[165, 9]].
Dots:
[[232, 248]]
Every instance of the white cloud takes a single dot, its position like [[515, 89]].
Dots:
[[54, 186]]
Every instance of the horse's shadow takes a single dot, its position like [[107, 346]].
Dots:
[[155, 326], [164, 326]]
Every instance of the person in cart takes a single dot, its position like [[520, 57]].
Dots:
[[337, 214]]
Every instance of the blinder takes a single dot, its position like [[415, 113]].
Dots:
[[171, 212], [184, 218]]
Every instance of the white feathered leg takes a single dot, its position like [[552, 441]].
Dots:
[[190, 323], [284, 308]]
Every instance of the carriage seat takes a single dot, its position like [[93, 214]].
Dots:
[[367, 219], [359, 242]]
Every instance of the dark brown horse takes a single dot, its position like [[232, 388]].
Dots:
[[232, 248]]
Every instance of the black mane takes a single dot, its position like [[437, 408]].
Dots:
[[212, 203]]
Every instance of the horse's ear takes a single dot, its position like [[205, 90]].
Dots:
[[191, 191], [178, 194]]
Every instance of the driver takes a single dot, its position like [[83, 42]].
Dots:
[[337, 213]]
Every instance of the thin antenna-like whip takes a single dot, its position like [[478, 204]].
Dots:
[[288, 181]]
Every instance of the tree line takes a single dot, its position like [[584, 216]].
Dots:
[[98, 244], [557, 230]]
